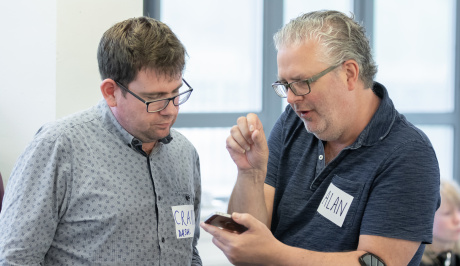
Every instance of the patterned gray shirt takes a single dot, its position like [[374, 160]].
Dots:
[[83, 194]]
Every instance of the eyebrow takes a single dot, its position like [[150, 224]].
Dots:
[[296, 78], [160, 95]]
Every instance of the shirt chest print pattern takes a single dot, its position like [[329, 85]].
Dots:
[[119, 208]]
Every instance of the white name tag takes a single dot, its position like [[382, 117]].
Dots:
[[335, 205], [184, 218]]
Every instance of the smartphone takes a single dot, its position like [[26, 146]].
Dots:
[[225, 221]]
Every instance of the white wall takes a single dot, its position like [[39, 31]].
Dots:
[[48, 65]]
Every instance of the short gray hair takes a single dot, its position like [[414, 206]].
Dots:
[[340, 36]]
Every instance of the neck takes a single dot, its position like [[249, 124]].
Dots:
[[331, 150], [148, 147]]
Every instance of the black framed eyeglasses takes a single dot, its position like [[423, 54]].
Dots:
[[161, 104], [300, 87]]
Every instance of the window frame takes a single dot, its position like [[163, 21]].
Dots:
[[272, 104]]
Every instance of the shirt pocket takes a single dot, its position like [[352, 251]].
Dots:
[[168, 217], [178, 225], [347, 188]]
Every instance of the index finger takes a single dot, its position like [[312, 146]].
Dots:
[[218, 233], [243, 131], [253, 122]]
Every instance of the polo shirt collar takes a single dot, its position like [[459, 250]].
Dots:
[[382, 121]]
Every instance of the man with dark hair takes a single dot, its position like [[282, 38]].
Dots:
[[114, 184], [345, 179]]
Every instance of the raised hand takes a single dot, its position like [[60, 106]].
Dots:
[[247, 144]]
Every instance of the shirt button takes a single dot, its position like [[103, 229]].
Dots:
[[163, 239], [320, 157], [159, 198], [187, 198]]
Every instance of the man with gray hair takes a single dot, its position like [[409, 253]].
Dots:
[[345, 179], [112, 185]]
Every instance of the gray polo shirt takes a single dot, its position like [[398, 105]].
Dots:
[[83, 193]]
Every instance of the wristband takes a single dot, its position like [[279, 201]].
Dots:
[[370, 259]]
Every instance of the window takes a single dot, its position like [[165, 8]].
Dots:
[[417, 68], [233, 63], [415, 52], [224, 43]]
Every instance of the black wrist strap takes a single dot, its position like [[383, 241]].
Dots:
[[370, 259]]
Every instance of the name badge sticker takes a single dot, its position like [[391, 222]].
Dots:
[[335, 205], [184, 218]]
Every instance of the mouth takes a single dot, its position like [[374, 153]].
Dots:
[[303, 113], [163, 124]]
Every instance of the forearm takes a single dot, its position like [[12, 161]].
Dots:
[[259, 247], [248, 196], [287, 255], [391, 250]]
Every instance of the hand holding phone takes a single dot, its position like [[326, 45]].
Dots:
[[225, 221]]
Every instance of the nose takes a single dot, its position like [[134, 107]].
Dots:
[[170, 109], [456, 217], [292, 98]]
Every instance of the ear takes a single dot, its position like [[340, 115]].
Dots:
[[352, 72], [108, 87]]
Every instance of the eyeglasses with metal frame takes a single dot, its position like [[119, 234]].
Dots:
[[160, 104], [300, 87]]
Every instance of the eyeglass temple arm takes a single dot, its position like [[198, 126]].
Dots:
[[130, 92], [320, 74]]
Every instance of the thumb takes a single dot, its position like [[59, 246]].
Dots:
[[258, 137], [257, 130], [244, 219]]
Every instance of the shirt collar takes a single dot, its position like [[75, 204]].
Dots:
[[382, 121], [111, 123]]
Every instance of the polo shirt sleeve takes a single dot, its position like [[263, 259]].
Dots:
[[405, 194], [34, 200]]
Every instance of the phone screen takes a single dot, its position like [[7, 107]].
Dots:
[[225, 221]]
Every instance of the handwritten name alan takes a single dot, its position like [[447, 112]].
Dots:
[[335, 204]]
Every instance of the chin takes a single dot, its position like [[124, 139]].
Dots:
[[316, 132], [163, 134]]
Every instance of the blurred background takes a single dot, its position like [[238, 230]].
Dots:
[[48, 69]]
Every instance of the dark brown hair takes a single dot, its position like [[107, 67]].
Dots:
[[137, 44]]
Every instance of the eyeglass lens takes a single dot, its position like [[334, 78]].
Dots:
[[299, 88], [177, 100]]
